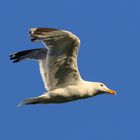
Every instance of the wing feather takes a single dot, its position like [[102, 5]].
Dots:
[[34, 54], [62, 53]]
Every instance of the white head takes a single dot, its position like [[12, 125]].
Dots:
[[100, 88]]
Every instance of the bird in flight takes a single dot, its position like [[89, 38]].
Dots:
[[58, 68]]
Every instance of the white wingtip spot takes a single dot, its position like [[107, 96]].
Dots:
[[32, 30]]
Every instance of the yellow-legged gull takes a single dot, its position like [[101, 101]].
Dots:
[[58, 68]]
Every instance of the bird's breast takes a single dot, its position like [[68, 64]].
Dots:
[[70, 93]]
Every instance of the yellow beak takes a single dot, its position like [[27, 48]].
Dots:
[[113, 92]]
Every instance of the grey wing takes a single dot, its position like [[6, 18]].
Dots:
[[34, 54], [43, 71], [63, 48]]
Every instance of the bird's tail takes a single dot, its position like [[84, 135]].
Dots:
[[35, 100], [35, 54]]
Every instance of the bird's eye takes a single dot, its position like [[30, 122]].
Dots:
[[101, 85]]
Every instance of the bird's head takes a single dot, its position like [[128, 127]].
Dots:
[[102, 88]]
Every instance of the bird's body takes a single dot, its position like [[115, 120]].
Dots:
[[58, 68], [81, 90]]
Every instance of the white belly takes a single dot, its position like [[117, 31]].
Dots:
[[69, 93]]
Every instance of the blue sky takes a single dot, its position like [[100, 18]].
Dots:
[[110, 52]]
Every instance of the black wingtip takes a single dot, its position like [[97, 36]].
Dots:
[[13, 58]]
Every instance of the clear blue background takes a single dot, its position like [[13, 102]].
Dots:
[[110, 52]]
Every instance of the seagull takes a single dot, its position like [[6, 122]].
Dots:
[[58, 68]]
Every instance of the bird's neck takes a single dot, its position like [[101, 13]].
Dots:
[[89, 87]]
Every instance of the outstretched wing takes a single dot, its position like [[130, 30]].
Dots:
[[35, 54], [62, 53]]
